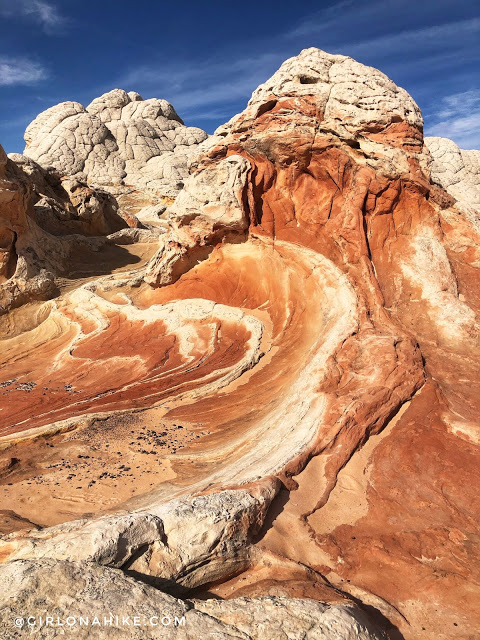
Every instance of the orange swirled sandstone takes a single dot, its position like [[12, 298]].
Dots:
[[307, 328]]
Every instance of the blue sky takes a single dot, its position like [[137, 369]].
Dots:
[[206, 57]]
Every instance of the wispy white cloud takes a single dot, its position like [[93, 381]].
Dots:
[[322, 22], [346, 27], [192, 88], [350, 27], [458, 118], [46, 14], [419, 39], [20, 71]]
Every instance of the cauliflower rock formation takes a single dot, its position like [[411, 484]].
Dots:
[[458, 172], [119, 139]]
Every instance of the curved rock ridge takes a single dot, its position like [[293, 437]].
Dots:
[[188, 329], [288, 387], [118, 139], [183, 543]]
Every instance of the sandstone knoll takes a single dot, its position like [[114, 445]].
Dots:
[[277, 406], [457, 171], [118, 139]]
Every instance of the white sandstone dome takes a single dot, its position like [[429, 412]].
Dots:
[[457, 171], [118, 139]]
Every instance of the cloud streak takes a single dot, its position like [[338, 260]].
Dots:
[[327, 19], [418, 38], [192, 88], [20, 71], [220, 86], [43, 13], [458, 117], [337, 27]]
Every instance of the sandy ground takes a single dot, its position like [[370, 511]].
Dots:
[[89, 470]]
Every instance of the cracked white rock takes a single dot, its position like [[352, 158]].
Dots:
[[348, 99], [118, 139], [208, 209], [352, 94], [70, 590], [458, 172], [186, 542]]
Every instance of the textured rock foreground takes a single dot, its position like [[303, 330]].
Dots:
[[82, 590], [277, 405]]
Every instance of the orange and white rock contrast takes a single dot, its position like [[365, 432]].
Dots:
[[271, 399]]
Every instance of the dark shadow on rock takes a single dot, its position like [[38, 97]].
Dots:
[[273, 512], [162, 584], [376, 616], [87, 263]]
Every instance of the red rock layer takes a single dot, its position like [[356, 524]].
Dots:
[[411, 554]]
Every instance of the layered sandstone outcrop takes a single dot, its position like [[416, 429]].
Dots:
[[44, 221], [29, 256], [280, 408]]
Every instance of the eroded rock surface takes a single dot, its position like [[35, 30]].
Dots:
[[287, 388], [45, 221], [28, 259], [458, 172], [73, 590]]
